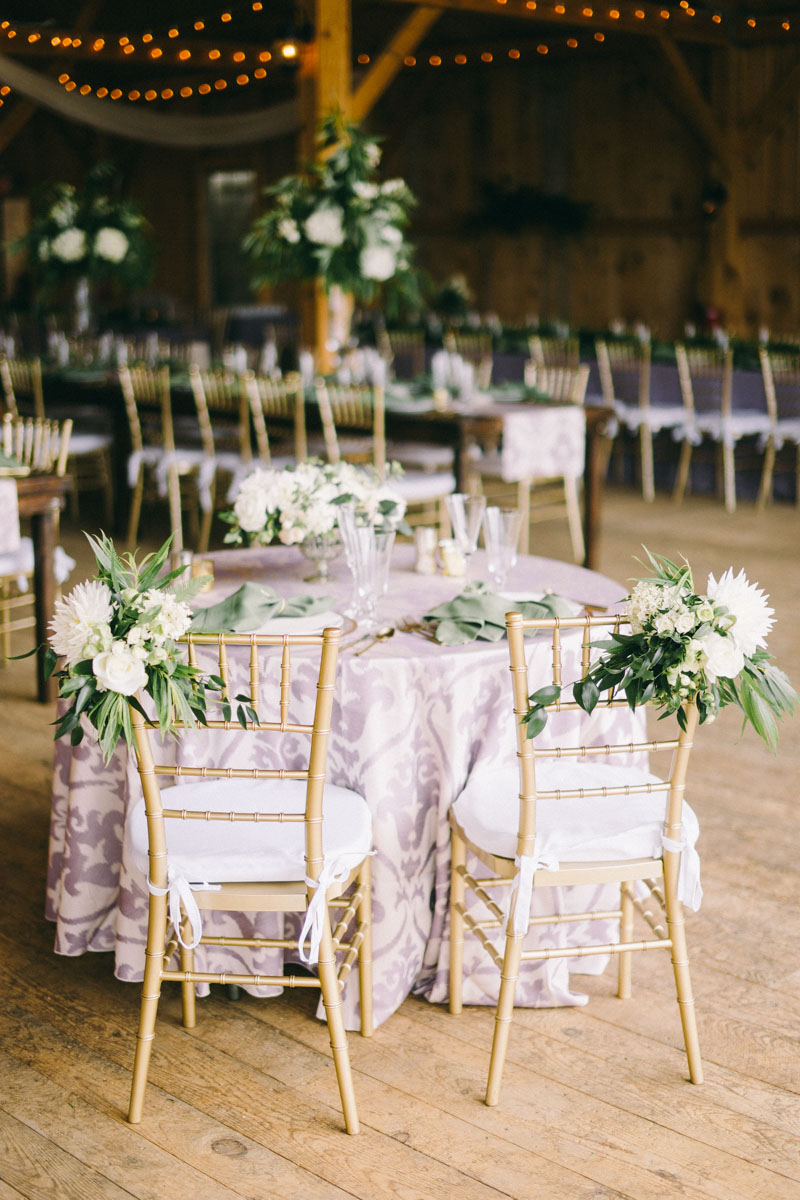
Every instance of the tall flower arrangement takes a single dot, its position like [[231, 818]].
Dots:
[[88, 233], [688, 647], [337, 222]]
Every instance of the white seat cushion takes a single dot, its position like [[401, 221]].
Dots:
[[426, 456], [243, 851], [88, 443], [595, 829], [19, 563], [417, 486]]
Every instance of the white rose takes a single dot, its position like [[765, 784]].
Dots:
[[365, 191], [664, 624], [288, 230], [684, 622], [251, 509], [378, 262], [325, 226], [111, 244], [705, 611], [724, 660], [69, 245], [119, 670]]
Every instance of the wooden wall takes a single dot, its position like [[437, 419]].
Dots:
[[607, 129]]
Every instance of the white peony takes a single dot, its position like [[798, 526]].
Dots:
[[287, 228], [111, 244], [119, 670], [724, 658], [79, 619], [69, 245], [747, 605], [325, 226], [378, 262]]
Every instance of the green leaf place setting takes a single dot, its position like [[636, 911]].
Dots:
[[478, 614]]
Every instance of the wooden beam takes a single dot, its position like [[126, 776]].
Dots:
[[698, 108], [699, 28], [769, 114], [390, 61]]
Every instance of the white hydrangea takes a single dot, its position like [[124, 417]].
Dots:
[[378, 262], [64, 213], [81, 622], [69, 245], [288, 230], [325, 227], [372, 153], [172, 618], [111, 244], [750, 617]]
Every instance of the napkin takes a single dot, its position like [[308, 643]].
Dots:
[[480, 615], [251, 606]]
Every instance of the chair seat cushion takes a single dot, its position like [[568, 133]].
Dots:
[[574, 829], [243, 851], [88, 443], [424, 455], [18, 564], [418, 486]]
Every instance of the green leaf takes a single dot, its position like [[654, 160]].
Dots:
[[535, 722], [49, 661], [545, 695], [586, 694]]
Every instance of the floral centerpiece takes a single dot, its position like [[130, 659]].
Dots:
[[336, 222], [687, 647], [87, 235], [115, 636], [303, 502]]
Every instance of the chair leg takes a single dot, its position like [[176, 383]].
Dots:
[[187, 989], [108, 487], [136, 509], [625, 935], [729, 476], [505, 1011], [524, 506], [767, 473], [574, 518], [365, 953], [682, 476], [680, 967], [151, 993], [458, 858], [797, 477], [646, 454], [332, 1001]]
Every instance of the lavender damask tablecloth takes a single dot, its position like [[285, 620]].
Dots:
[[412, 719]]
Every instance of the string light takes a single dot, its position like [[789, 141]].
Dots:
[[203, 89]]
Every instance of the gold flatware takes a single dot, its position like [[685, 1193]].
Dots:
[[380, 635]]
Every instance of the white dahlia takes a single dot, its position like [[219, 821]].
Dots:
[[749, 613], [79, 620]]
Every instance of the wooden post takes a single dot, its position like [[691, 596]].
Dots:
[[325, 85]]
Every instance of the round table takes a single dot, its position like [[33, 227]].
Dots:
[[411, 720]]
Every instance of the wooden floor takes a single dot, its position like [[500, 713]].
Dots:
[[596, 1102]]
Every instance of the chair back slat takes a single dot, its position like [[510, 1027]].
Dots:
[[281, 401], [624, 369], [565, 384], [22, 377], [706, 379], [43, 446], [349, 408], [780, 372], [554, 351], [220, 392]]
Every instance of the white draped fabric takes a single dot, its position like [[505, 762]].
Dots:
[[144, 125]]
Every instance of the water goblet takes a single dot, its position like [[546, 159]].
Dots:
[[466, 513], [368, 553], [501, 528]]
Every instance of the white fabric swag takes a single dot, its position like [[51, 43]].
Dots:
[[144, 125]]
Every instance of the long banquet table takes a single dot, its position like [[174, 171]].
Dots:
[[412, 719]]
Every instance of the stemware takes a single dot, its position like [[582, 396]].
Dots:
[[501, 528], [368, 552], [466, 513]]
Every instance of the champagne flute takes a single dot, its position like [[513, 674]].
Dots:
[[501, 528], [466, 514]]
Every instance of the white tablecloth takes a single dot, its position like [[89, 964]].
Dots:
[[9, 516], [411, 721]]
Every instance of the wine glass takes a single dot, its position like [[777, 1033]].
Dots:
[[501, 528], [466, 514], [368, 552]]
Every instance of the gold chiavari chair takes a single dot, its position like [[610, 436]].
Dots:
[[564, 815], [345, 411], [90, 450], [541, 499], [404, 349], [266, 840], [706, 379], [553, 351], [282, 402], [43, 447], [223, 417], [475, 348], [780, 372]]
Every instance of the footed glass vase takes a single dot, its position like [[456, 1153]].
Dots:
[[321, 549]]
